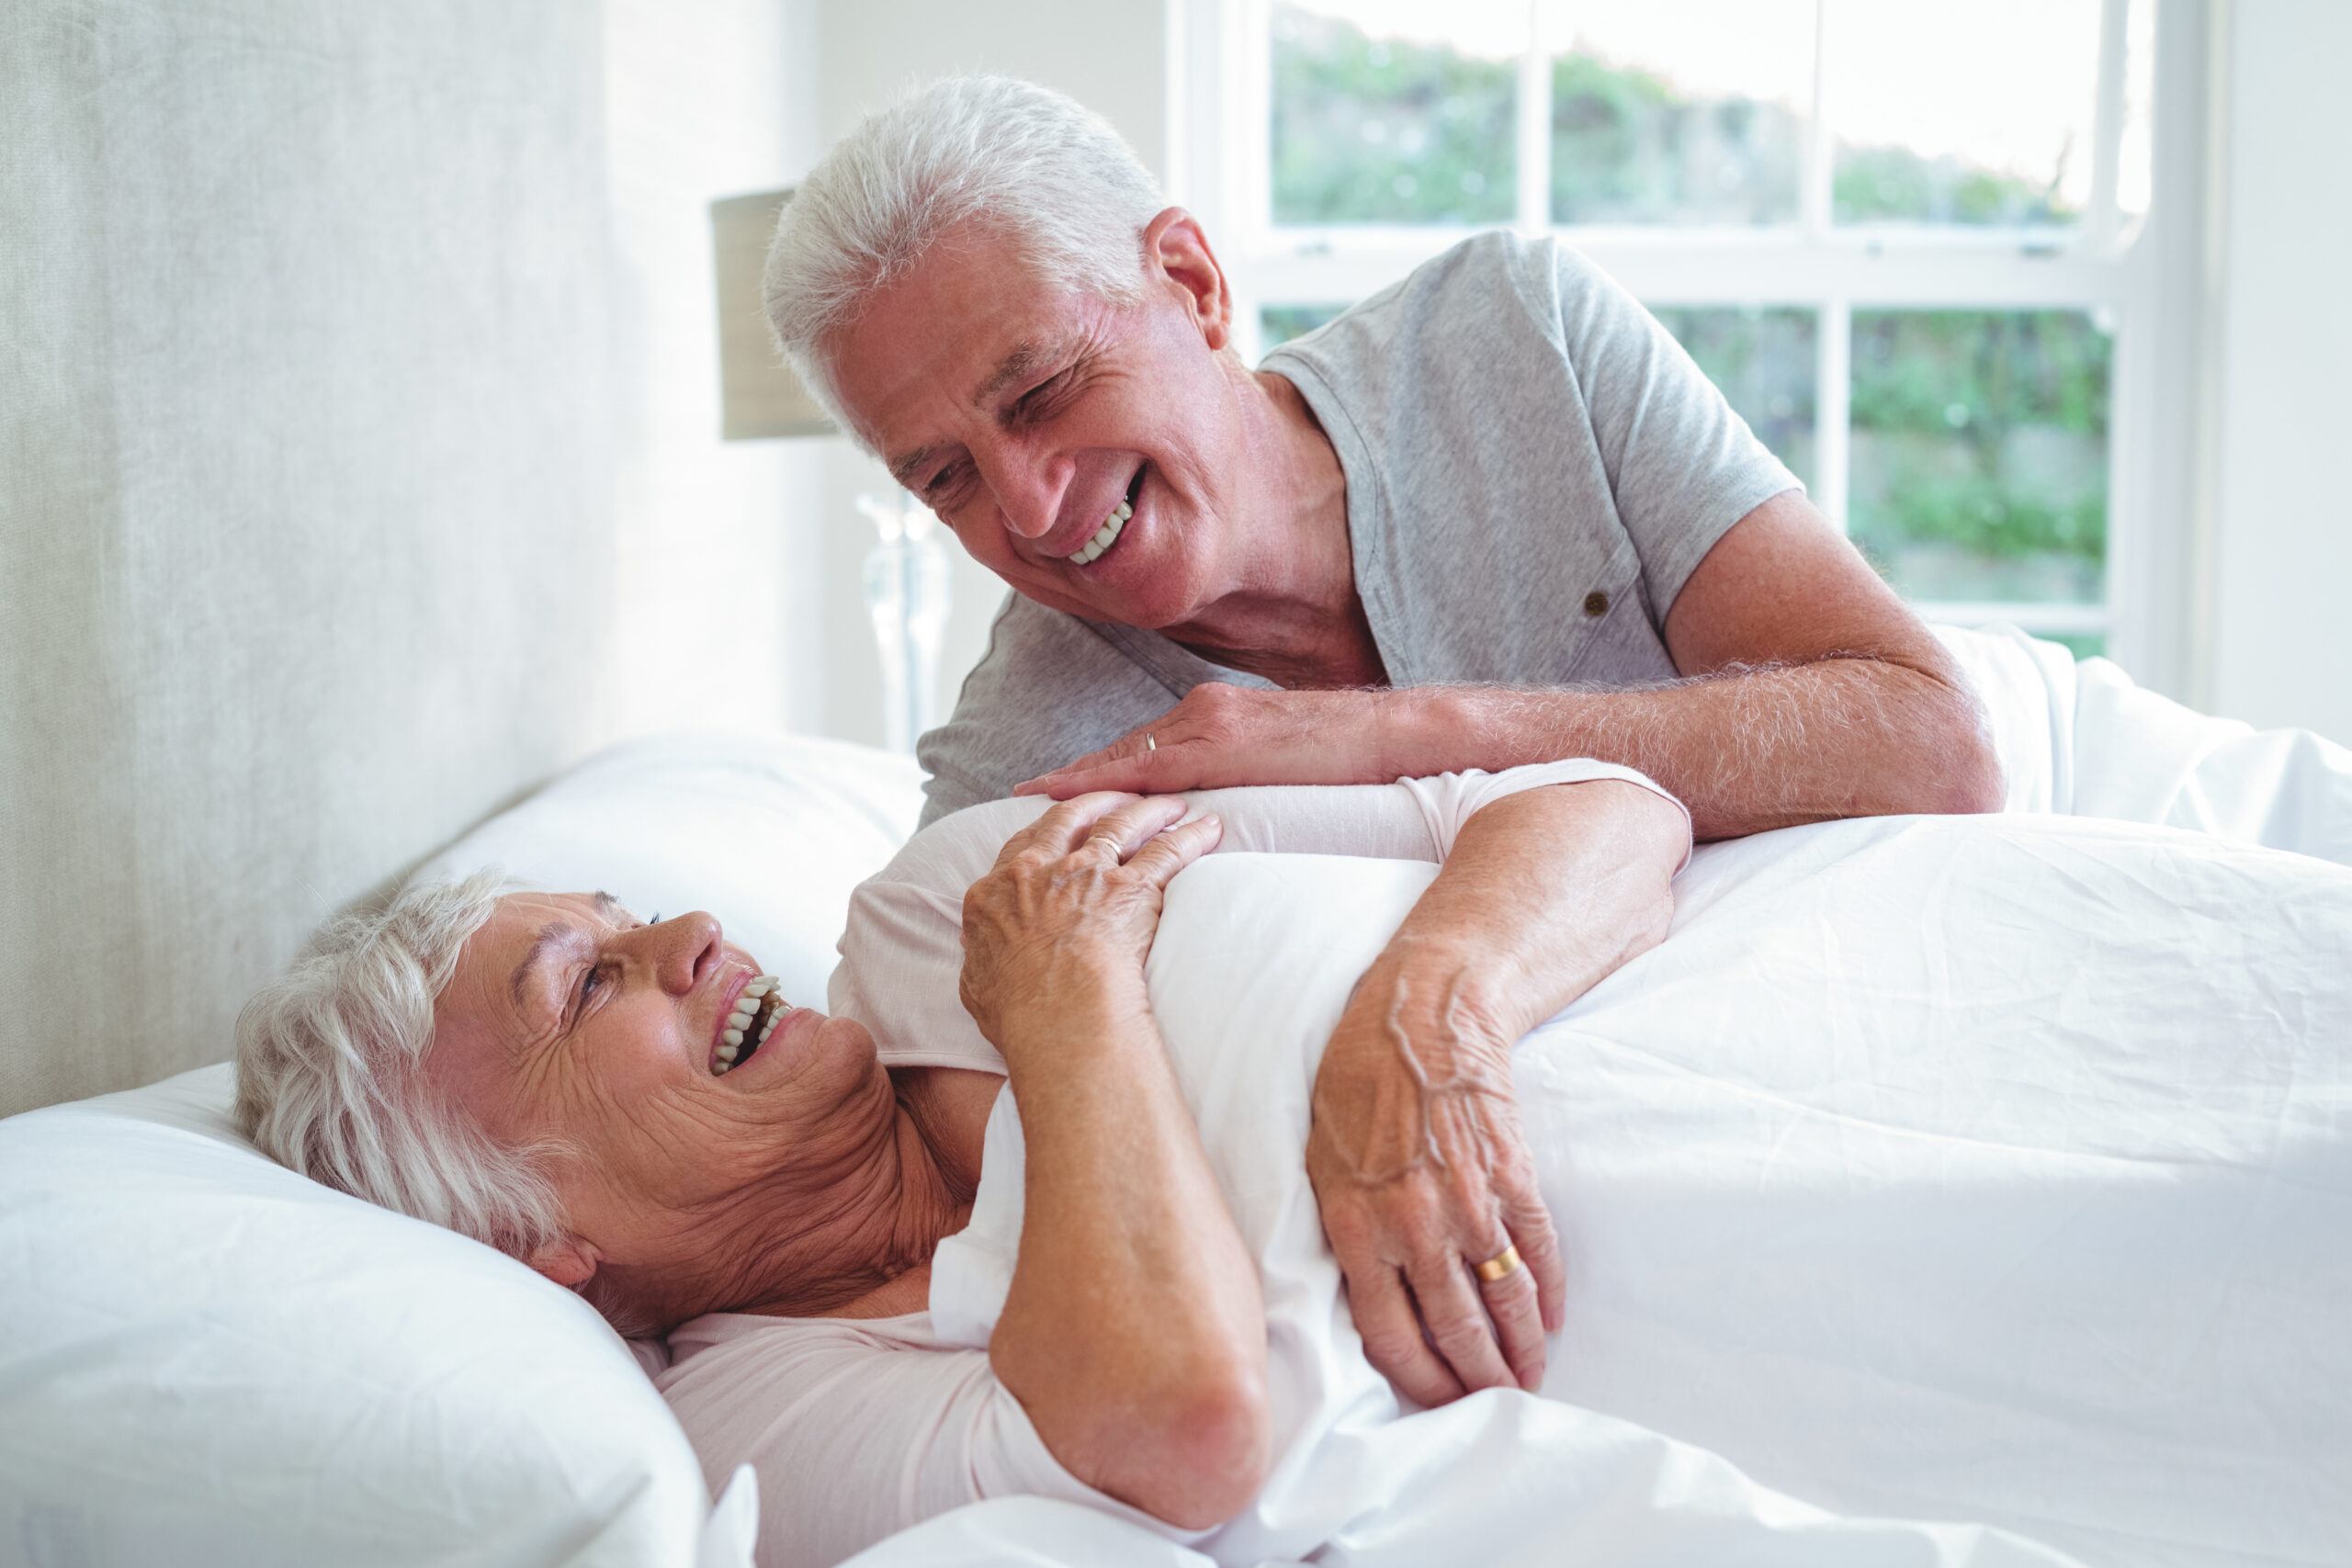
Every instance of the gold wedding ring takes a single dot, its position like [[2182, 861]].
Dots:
[[1502, 1265]]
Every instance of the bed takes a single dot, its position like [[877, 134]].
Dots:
[[209, 1359]]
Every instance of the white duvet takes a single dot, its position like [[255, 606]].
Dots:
[[1995, 1170]]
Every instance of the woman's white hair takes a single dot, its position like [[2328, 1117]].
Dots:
[[1031, 164], [328, 1078]]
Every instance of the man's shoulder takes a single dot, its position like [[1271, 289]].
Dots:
[[1050, 688]]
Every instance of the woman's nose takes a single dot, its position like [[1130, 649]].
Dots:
[[682, 948]]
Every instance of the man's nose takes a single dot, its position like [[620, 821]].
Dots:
[[1028, 487]]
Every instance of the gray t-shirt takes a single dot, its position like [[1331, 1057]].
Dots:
[[1533, 466]]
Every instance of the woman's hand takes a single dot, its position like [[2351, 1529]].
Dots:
[[1419, 1161], [1067, 914], [1421, 1167], [1133, 1332]]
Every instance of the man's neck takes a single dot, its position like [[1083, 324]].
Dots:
[[1296, 618]]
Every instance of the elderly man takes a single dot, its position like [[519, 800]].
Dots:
[[1492, 515]]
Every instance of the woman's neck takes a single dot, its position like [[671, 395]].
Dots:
[[861, 1207], [876, 1248]]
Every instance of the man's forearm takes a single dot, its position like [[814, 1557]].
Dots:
[[1745, 751]]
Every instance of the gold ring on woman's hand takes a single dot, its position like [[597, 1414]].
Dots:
[[1502, 1265], [1110, 839]]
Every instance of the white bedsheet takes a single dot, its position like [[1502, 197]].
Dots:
[[1992, 1169], [2081, 739]]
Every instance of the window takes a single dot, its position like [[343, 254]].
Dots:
[[1895, 235]]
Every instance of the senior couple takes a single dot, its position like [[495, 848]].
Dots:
[[1490, 519]]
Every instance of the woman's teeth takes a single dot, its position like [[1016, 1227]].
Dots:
[[1105, 535], [754, 1018]]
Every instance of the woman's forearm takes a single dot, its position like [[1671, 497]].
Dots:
[[1545, 893], [1419, 1161], [1133, 1332]]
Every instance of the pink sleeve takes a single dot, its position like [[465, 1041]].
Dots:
[[858, 1430], [1450, 800]]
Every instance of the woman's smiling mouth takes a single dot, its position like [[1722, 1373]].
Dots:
[[756, 1013]]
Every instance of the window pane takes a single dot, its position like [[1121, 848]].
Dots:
[[1280, 323], [1974, 113], [1681, 111], [1979, 453], [1378, 126], [1763, 361]]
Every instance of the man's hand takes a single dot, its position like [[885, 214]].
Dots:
[[1422, 1172], [1220, 735]]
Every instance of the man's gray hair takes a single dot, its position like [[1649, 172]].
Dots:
[[329, 1080], [1033, 165]]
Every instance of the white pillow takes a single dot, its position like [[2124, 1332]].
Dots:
[[770, 833], [206, 1359]]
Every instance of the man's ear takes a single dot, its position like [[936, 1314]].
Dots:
[[571, 1262], [1175, 248]]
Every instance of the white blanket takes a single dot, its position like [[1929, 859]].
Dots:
[[2080, 739], [1992, 1169]]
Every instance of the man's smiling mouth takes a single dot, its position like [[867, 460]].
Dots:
[[757, 1012], [1113, 526]]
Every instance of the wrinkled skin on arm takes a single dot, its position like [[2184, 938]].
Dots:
[[1418, 1160]]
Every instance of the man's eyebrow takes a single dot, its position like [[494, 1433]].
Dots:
[[1024, 358], [904, 470], [553, 935], [1022, 361]]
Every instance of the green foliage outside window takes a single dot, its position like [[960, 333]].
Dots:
[[1897, 184], [1764, 362], [1627, 147], [1280, 323], [1979, 454], [1385, 130], [1380, 131]]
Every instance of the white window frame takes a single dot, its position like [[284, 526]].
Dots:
[[1219, 103]]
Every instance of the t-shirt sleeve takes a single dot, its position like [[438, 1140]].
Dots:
[[1683, 467], [857, 1434]]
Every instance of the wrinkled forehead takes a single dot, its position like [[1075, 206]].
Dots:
[[506, 966], [951, 332], [504, 993]]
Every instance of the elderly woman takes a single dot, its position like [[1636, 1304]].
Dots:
[[634, 1111]]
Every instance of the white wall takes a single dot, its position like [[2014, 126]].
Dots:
[[2280, 541], [1108, 54], [358, 463], [720, 618]]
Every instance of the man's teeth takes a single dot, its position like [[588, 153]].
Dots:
[[1105, 535], [755, 1015]]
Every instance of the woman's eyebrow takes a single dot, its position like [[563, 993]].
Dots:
[[554, 935]]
